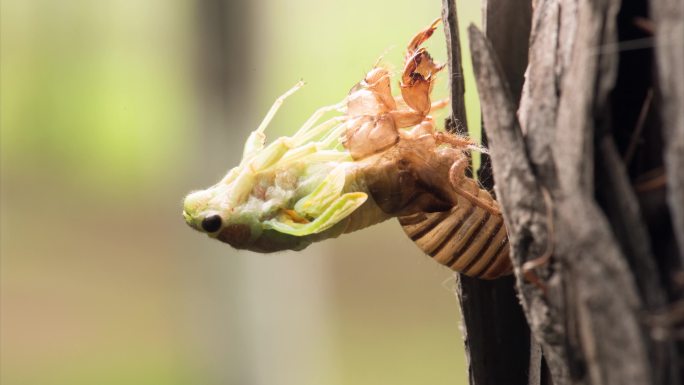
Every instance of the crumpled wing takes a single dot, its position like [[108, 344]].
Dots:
[[341, 208]]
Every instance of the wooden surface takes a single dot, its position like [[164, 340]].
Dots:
[[457, 121], [603, 305], [495, 331], [668, 19]]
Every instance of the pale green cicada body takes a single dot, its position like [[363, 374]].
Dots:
[[285, 195]]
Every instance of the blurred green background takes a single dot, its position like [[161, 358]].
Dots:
[[110, 112]]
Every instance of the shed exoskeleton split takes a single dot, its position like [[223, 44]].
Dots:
[[381, 157]]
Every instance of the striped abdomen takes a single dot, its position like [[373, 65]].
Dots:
[[468, 238]]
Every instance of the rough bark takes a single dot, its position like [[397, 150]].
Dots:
[[457, 121], [489, 342], [668, 19], [597, 264]]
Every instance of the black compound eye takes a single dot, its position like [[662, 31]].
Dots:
[[211, 223]]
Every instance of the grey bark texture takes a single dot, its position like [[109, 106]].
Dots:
[[489, 342], [589, 175], [668, 18]]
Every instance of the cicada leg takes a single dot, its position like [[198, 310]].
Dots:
[[315, 117], [438, 105], [255, 141], [489, 206], [426, 127], [421, 37], [406, 118], [332, 138], [330, 124], [277, 104], [457, 178], [455, 140], [419, 72]]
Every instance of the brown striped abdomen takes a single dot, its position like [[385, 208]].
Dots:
[[468, 238]]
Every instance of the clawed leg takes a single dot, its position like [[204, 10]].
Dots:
[[421, 37], [457, 172], [486, 205], [375, 116], [419, 72], [456, 179], [438, 105], [454, 140], [406, 118]]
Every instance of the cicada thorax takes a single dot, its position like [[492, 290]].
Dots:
[[449, 217], [418, 175]]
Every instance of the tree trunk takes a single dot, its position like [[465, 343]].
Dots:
[[588, 149]]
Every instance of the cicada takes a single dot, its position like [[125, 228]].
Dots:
[[379, 157]]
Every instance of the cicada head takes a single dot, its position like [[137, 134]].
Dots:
[[210, 212], [283, 195], [243, 223], [286, 207]]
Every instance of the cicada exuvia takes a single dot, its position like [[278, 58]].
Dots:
[[380, 157]]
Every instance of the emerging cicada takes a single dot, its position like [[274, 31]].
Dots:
[[380, 158]]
